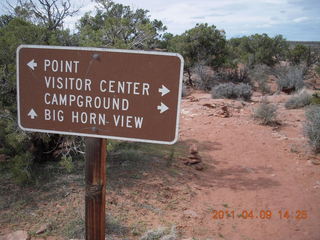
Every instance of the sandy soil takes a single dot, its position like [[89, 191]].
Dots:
[[252, 168], [246, 171]]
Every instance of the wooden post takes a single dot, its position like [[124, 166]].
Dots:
[[95, 177]]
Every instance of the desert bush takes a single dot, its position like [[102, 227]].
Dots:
[[299, 54], [266, 113], [207, 79], [299, 100], [240, 75], [317, 69], [315, 98], [259, 73], [312, 127], [290, 78], [161, 233], [232, 91], [233, 75]]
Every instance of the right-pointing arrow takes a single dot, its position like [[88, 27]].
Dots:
[[162, 108], [163, 90], [32, 64], [32, 114]]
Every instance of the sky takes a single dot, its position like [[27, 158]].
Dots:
[[296, 20]]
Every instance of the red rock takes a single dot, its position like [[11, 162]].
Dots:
[[193, 149], [199, 167]]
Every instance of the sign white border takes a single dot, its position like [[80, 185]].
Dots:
[[101, 50]]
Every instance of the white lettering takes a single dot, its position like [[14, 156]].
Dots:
[[46, 99], [48, 80], [145, 89], [46, 64], [53, 115], [127, 121], [129, 118], [138, 121], [135, 88], [68, 83], [116, 120], [75, 117], [88, 118], [103, 82], [61, 66], [111, 83]]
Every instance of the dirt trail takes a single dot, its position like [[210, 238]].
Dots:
[[246, 169], [251, 167]]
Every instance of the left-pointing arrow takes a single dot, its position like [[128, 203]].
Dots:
[[32, 64], [32, 114]]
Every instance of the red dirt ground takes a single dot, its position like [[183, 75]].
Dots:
[[254, 168], [247, 168]]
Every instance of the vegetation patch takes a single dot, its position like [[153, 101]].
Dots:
[[232, 91], [162, 233], [290, 78], [315, 99], [299, 100], [312, 127], [260, 74], [266, 113]]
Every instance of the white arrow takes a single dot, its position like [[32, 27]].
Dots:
[[32, 114], [32, 64], [162, 108], [163, 90]]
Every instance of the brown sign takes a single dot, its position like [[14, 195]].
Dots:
[[117, 94]]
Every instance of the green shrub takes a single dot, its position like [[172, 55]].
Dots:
[[315, 99], [299, 54], [232, 91], [312, 127], [266, 113], [21, 168], [66, 163], [299, 100], [290, 78]]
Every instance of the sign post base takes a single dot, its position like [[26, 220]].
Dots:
[[95, 195]]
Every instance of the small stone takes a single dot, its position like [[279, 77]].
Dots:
[[199, 167], [190, 214], [193, 149], [43, 228], [195, 156], [191, 161], [209, 105]]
